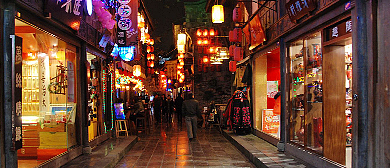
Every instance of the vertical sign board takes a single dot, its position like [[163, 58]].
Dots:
[[256, 31], [68, 12], [16, 92], [127, 33]]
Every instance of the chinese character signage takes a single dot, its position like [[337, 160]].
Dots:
[[299, 8], [68, 12], [44, 81], [127, 33], [338, 30], [17, 93]]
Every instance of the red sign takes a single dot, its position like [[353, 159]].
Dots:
[[256, 31], [270, 121], [299, 8]]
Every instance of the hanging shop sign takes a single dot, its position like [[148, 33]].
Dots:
[[16, 92], [341, 29], [68, 12], [127, 23], [256, 31], [44, 82], [296, 9]]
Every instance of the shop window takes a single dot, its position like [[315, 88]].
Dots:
[[49, 94], [306, 92], [266, 78]]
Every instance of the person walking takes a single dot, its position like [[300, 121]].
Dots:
[[178, 105], [191, 111], [157, 103], [169, 108]]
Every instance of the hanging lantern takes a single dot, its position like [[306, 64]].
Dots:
[[205, 59], [199, 42], [232, 66], [181, 39], [205, 41], [212, 32], [199, 32], [148, 56], [137, 70], [151, 56], [238, 54], [147, 36], [205, 32], [151, 64], [231, 36], [223, 53], [148, 49], [217, 14], [231, 49], [212, 50], [237, 14], [237, 33], [151, 42]]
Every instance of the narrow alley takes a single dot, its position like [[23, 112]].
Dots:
[[168, 146]]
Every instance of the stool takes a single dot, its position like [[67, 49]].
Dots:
[[140, 123], [119, 128]]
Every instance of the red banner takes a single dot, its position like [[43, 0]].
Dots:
[[256, 31]]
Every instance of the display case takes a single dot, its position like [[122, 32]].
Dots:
[[306, 92]]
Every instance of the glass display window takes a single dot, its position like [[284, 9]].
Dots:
[[305, 118], [49, 94]]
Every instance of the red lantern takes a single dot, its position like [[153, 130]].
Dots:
[[205, 41], [237, 14], [205, 32], [232, 66], [147, 36], [237, 35], [148, 49], [231, 36], [205, 59], [151, 42], [152, 56], [151, 64], [199, 32], [231, 49], [238, 55], [199, 42], [212, 32], [148, 56]]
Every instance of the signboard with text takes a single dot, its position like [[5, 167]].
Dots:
[[341, 29], [17, 92], [127, 32], [296, 9], [270, 122], [68, 12]]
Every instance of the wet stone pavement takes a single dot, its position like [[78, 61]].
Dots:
[[168, 146]]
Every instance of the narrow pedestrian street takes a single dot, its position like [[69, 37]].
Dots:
[[168, 146]]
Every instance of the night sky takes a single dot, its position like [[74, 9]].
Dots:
[[164, 13]]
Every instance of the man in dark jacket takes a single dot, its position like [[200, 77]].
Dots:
[[191, 111], [179, 104]]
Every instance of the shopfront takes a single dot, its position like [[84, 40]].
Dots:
[[320, 90], [266, 100], [49, 94]]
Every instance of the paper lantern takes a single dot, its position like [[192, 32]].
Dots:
[[148, 56], [151, 64], [205, 32], [235, 35], [231, 36], [199, 32], [151, 42], [232, 66], [148, 49], [181, 39], [151, 56], [205, 41], [212, 32], [231, 49], [141, 24], [237, 14], [238, 54], [199, 41], [205, 59], [137, 70], [217, 14]]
